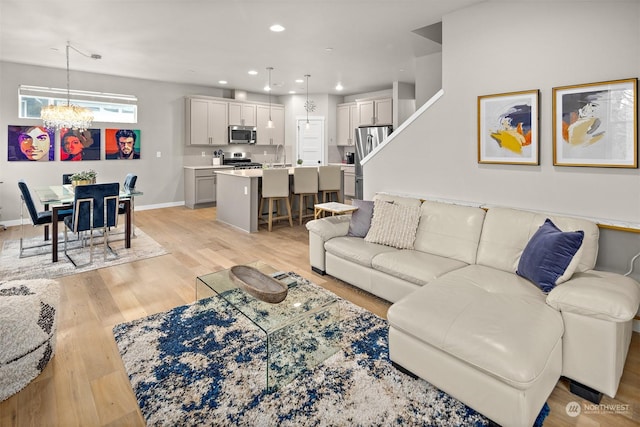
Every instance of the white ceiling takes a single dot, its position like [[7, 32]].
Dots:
[[204, 41]]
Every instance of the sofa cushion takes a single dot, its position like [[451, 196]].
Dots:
[[415, 266], [355, 249], [547, 257], [448, 230], [360, 219], [495, 281], [508, 336], [393, 225], [506, 232]]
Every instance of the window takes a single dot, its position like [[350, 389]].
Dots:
[[106, 107]]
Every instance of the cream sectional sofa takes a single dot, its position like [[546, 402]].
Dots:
[[462, 318]]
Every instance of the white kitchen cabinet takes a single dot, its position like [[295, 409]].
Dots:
[[267, 136], [199, 186], [242, 114], [206, 122], [347, 122], [349, 181], [375, 112]]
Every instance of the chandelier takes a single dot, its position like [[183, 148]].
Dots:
[[307, 105], [67, 116]]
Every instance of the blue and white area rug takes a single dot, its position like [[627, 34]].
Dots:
[[201, 364]]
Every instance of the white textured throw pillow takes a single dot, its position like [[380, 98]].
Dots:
[[393, 225]]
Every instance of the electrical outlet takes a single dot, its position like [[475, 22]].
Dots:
[[265, 152], [158, 154], [204, 154]]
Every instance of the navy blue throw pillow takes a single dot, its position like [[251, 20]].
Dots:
[[548, 254]]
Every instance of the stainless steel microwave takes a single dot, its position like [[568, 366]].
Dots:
[[242, 134]]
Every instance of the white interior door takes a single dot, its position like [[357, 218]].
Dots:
[[310, 142]]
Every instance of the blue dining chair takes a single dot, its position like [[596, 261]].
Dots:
[[129, 186], [95, 207], [37, 218], [66, 178]]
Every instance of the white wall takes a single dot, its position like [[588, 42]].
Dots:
[[404, 102], [428, 77], [499, 47]]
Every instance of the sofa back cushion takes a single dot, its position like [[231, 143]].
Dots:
[[506, 232], [398, 200], [449, 230]]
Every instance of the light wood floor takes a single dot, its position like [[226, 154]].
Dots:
[[85, 384]]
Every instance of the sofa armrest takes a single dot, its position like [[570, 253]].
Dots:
[[599, 294], [330, 227], [321, 230]]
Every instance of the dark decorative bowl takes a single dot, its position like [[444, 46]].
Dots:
[[257, 284]]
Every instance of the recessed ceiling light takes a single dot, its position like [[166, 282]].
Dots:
[[267, 88], [299, 81], [339, 86], [292, 92], [276, 28], [328, 49], [253, 73], [223, 82]]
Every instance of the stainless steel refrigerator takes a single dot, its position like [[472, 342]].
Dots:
[[367, 139]]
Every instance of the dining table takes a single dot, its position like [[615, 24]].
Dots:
[[60, 197]]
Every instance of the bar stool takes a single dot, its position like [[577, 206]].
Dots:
[[275, 187], [329, 182], [305, 184]]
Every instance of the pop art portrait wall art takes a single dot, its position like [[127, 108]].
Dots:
[[30, 143]]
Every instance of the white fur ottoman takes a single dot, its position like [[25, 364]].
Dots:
[[28, 313]]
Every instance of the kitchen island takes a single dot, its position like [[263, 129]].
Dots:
[[238, 197]]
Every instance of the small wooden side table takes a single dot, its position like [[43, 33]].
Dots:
[[334, 208]]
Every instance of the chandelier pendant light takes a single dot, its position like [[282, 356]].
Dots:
[[270, 122], [307, 106], [67, 116]]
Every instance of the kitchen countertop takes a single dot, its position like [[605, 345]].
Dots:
[[247, 173], [209, 167]]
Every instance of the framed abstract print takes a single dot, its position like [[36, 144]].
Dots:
[[595, 124], [508, 128]]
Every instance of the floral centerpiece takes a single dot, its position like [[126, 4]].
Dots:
[[84, 177]]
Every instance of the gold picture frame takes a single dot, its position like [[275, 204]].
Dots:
[[508, 128], [595, 124]]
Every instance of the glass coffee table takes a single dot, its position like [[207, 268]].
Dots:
[[300, 332]]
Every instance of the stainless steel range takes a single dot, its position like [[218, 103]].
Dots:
[[239, 160]]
